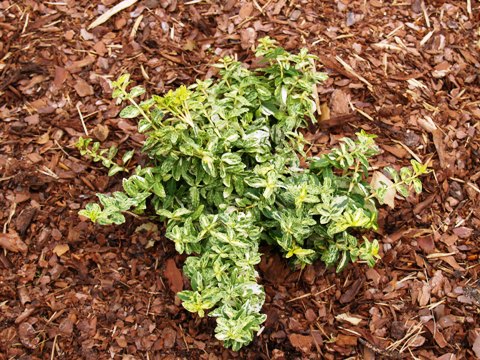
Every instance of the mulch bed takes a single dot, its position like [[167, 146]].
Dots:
[[407, 71]]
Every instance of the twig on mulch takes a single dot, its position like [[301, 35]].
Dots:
[[413, 332], [310, 294], [387, 353], [354, 73]]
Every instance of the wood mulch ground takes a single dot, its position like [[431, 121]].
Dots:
[[406, 70]]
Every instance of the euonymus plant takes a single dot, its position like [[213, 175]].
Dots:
[[225, 175]]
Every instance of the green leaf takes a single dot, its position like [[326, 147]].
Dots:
[[165, 213], [342, 264], [303, 252], [115, 169], [393, 173], [123, 80], [402, 189], [330, 256], [136, 91], [117, 94], [231, 159], [181, 212], [158, 189], [417, 185], [144, 125], [113, 218], [405, 173], [256, 182], [129, 112], [209, 166], [92, 211], [263, 92], [127, 156], [418, 168]]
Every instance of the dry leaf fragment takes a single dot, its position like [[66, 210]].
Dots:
[[100, 48], [440, 146], [379, 180], [447, 356], [349, 318], [126, 126], [86, 35], [373, 275], [437, 282], [13, 243], [32, 119], [464, 299], [353, 18], [169, 336], [278, 7], [449, 240], [121, 341], [60, 249], [450, 260], [110, 12], [427, 244], [248, 37]]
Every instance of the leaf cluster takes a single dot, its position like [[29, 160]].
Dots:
[[90, 149], [225, 175]]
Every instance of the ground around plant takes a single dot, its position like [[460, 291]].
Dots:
[[407, 71]]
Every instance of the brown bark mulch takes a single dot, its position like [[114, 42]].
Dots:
[[407, 71]]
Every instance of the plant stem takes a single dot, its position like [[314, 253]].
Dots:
[[134, 103]]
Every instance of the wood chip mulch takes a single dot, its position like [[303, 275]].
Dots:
[[408, 71]]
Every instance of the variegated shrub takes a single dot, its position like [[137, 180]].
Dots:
[[225, 175]]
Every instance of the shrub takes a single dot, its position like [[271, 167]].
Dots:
[[226, 175]]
